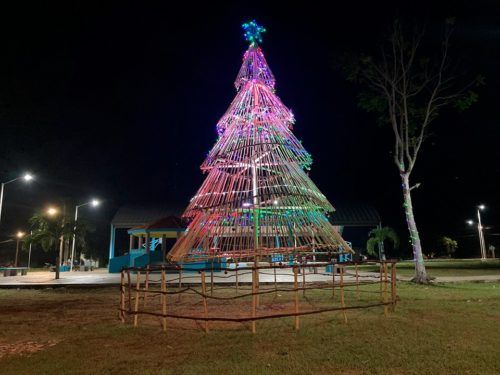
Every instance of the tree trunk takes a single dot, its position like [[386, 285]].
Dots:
[[420, 272]]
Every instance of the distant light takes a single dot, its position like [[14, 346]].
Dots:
[[246, 204], [95, 202], [470, 222], [20, 234], [275, 202], [482, 206], [28, 177], [52, 211]]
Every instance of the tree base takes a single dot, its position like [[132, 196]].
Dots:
[[422, 279]]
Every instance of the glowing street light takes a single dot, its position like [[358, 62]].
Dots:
[[27, 177], [52, 211], [19, 235], [93, 203], [480, 232], [482, 244]]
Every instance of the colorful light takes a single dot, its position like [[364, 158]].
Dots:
[[257, 198], [253, 32]]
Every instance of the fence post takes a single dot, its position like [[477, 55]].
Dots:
[[304, 280], [393, 286], [254, 298], [122, 296], [386, 308], [333, 280], [236, 277], [204, 291], [136, 307], [342, 301], [164, 297], [357, 280], [129, 291], [146, 287], [296, 286]]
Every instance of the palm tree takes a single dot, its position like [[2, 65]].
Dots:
[[377, 238], [49, 231], [449, 244]]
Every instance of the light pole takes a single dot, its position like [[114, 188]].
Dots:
[[52, 211], [19, 235], [93, 203], [26, 177], [480, 231], [482, 244], [29, 252]]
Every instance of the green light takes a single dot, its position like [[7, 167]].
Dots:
[[253, 32]]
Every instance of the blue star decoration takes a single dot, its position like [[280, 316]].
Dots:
[[253, 32]]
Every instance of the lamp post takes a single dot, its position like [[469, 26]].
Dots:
[[482, 244], [52, 211], [93, 203], [26, 177], [19, 235], [29, 252], [480, 231]]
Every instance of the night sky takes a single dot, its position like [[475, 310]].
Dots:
[[120, 102]]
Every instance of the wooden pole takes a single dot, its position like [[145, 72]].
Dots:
[[342, 301], [146, 286], [386, 308], [393, 286], [136, 307], [333, 280], [180, 283], [164, 298], [236, 277], [257, 286], [254, 298], [122, 296], [296, 287], [129, 290], [304, 280], [357, 279], [212, 279], [204, 292], [381, 274], [58, 263]]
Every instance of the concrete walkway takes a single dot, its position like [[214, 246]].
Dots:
[[101, 277]]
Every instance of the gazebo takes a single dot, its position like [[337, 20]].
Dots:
[[151, 233]]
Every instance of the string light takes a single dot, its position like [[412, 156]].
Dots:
[[256, 188]]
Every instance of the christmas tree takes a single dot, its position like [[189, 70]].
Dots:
[[257, 198]]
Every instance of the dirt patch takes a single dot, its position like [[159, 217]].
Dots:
[[24, 348]]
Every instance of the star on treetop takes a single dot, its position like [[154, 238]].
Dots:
[[253, 32]]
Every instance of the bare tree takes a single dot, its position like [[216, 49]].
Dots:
[[407, 90]]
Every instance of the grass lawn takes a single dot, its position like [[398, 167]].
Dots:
[[438, 329], [450, 267]]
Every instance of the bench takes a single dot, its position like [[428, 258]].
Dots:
[[12, 271]]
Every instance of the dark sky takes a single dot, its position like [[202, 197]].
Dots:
[[120, 101]]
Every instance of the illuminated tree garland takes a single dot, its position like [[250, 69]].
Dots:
[[257, 198]]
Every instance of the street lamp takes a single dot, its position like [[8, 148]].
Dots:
[[52, 211], [27, 177], [482, 244], [480, 231], [93, 203], [19, 235]]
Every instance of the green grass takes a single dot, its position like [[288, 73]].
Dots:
[[438, 267], [438, 329]]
